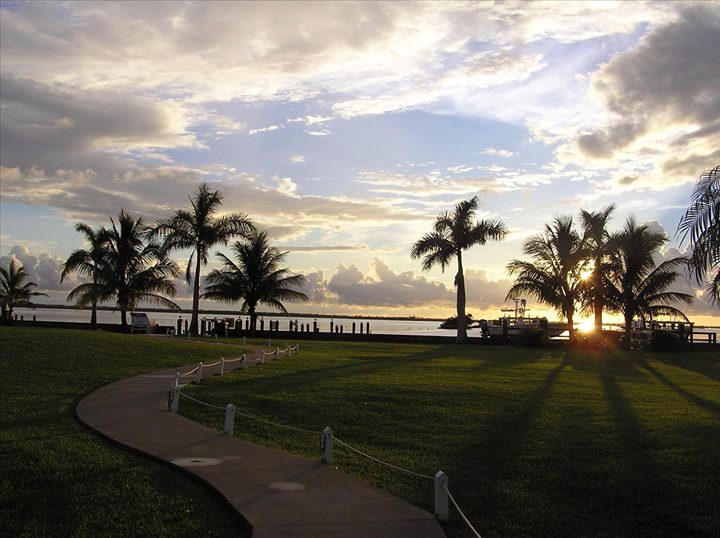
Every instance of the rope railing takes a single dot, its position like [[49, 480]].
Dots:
[[378, 460], [462, 515], [191, 372], [183, 395], [327, 439]]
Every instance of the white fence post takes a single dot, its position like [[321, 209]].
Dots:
[[222, 365], [177, 379], [229, 419], [216, 340], [277, 352], [262, 357], [326, 445], [198, 375], [242, 361], [441, 496], [176, 400]]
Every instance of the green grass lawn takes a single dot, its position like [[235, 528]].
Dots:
[[61, 479], [535, 442]]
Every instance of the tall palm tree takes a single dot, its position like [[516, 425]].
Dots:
[[702, 223], [634, 284], [256, 276], [200, 230], [596, 239], [88, 263], [12, 290], [452, 234], [134, 270], [554, 277]]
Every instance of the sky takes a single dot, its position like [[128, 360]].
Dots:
[[344, 129]]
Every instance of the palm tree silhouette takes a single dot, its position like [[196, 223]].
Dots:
[[256, 276], [134, 270], [701, 222], [635, 285], [452, 234], [12, 290], [88, 263], [596, 239], [554, 277], [200, 230]]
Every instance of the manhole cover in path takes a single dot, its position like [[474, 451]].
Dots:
[[287, 486], [196, 462]]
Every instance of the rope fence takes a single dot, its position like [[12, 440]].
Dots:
[[327, 438], [378, 460], [462, 515]]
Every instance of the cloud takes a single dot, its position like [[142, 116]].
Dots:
[[663, 93], [296, 158], [56, 126], [504, 153], [387, 288], [323, 132], [268, 129], [322, 248], [44, 269]]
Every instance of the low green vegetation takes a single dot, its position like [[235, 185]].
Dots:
[[61, 479], [536, 442]]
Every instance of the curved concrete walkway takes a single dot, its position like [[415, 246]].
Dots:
[[280, 494]]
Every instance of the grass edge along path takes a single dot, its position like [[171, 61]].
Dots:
[[62, 479], [536, 442]]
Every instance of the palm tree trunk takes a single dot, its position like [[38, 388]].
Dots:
[[196, 295], [93, 311], [571, 325], [599, 297], [93, 316], [462, 321], [253, 319], [628, 332], [123, 318]]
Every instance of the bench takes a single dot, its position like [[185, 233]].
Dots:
[[139, 322]]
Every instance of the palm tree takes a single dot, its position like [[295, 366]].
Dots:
[[634, 284], [701, 222], [88, 263], [133, 270], [200, 230], [554, 277], [12, 290], [256, 276], [596, 239], [452, 233]]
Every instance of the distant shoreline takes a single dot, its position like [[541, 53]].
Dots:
[[236, 313]]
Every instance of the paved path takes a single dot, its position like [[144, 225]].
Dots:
[[280, 494]]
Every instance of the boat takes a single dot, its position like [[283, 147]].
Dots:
[[514, 321]]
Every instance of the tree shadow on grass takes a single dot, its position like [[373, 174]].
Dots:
[[702, 364], [708, 405], [368, 366], [481, 467], [641, 493]]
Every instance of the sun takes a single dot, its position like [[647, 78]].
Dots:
[[586, 326]]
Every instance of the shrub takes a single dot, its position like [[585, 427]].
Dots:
[[664, 341], [535, 337]]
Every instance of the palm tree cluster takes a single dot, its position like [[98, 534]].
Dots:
[[594, 270], [127, 263]]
